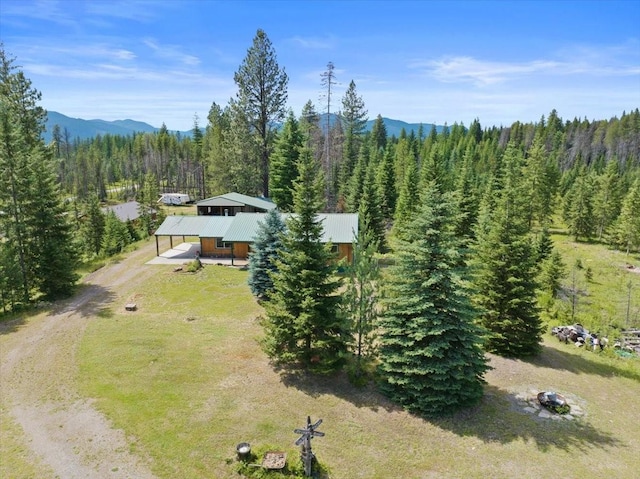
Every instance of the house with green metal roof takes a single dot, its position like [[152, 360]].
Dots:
[[232, 236]]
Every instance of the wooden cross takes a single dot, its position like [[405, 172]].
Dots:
[[305, 441]]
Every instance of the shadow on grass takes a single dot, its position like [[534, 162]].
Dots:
[[498, 419], [335, 385], [89, 300], [557, 359]]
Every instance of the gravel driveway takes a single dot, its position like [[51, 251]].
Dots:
[[62, 429]]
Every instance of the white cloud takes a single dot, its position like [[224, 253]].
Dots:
[[467, 69], [171, 52], [314, 43]]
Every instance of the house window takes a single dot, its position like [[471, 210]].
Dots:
[[221, 244], [335, 249]]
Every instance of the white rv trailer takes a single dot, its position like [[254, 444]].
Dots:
[[174, 199]]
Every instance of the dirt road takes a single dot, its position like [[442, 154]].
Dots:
[[62, 430]]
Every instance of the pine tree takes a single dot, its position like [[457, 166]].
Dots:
[[357, 179], [116, 236], [304, 323], [431, 359], [505, 268], [579, 208], [354, 120], [370, 215], [283, 167], [361, 301], [627, 227], [386, 182], [262, 94], [264, 251], [408, 200], [35, 228], [378, 134], [92, 227], [607, 200], [552, 271]]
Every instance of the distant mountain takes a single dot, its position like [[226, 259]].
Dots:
[[86, 129], [395, 127]]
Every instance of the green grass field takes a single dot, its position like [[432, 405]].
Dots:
[[185, 378], [605, 303]]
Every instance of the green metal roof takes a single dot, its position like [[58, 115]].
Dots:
[[338, 227], [242, 228], [238, 199], [217, 226], [182, 226]]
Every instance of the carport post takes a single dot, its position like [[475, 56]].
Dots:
[[232, 254]]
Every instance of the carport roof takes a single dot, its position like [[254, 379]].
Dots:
[[182, 226]]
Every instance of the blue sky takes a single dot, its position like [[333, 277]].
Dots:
[[417, 61]]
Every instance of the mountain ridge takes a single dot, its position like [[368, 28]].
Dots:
[[87, 129]]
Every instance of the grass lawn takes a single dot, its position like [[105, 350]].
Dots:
[[185, 378]]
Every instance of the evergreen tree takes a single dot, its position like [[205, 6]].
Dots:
[[264, 251], [283, 168], [371, 221], [579, 208], [505, 287], [37, 236], [386, 181], [431, 359], [354, 120], [544, 245], [506, 268], [304, 323], [552, 271], [116, 236], [606, 205], [627, 227], [262, 86], [408, 200], [361, 300], [378, 134], [55, 257], [357, 179], [92, 229]]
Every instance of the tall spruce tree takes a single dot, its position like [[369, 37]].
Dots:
[[262, 93], [303, 322], [506, 267], [264, 252], [284, 160], [431, 358], [370, 216], [354, 120], [37, 236], [408, 200]]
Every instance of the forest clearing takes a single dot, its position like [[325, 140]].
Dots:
[[170, 390]]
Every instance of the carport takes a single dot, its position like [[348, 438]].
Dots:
[[180, 226]]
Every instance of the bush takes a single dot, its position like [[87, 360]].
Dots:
[[194, 266]]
